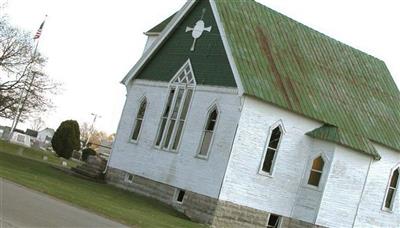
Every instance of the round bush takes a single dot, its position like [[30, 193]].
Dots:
[[66, 139]]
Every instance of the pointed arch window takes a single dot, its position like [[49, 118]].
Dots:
[[272, 150], [139, 120], [392, 189], [176, 109], [208, 133], [316, 172]]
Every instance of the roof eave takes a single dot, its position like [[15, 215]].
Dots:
[[328, 137], [152, 33]]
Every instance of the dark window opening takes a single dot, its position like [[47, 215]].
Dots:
[[180, 196], [139, 120], [275, 137], [129, 178], [273, 145], [273, 221], [391, 193]]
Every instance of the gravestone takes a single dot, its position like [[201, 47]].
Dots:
[[93, 168]]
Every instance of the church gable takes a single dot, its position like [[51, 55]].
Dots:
[[197, 38]]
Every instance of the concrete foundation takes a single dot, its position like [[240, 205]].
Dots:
[[199, 208]]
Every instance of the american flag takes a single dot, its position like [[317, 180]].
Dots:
[[39, 31]]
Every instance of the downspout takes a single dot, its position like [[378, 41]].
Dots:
[[362, 193]]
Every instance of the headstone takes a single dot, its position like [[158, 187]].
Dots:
[[93, 167], [45, 158], [64, 163]]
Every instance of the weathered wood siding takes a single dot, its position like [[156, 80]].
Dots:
[[344, 206], [182, 169], [339, 202], [285, 192]]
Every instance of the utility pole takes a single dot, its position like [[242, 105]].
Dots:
[[95, 116]]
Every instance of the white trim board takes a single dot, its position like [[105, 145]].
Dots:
[[228, 49], [206, 88]]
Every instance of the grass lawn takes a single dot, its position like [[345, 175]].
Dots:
[[106, 200], [34, 154]]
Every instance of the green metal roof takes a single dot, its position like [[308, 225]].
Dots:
[[297, 68], [288, 64], [333, 134], [158, 28]]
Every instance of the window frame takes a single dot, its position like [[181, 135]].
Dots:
[[279, 220], [176, 196], [395, 195], [308, 170], [279, 124], [212, 108], [126, 178], [141, 100], [176, 86]]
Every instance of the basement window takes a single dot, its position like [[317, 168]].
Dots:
[[179, 195], [392, 189], [272, 150], [274, 221], [128, 178], [316, 171]]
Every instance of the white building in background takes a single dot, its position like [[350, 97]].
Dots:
[[45, 136], [241, 117], [21, 139]]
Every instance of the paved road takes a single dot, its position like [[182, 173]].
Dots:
[[21, 207]]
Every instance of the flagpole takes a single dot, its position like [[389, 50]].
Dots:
[[23, 99]]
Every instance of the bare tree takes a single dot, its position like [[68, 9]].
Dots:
[[37, 124], [22, 74], [85, 131], [96, 136]]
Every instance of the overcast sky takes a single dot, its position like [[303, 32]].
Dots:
[[92, 44]]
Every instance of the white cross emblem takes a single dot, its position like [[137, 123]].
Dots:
[[198, 30]]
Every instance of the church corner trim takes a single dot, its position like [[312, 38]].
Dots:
[[227, 47]]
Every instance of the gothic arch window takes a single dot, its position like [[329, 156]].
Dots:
[[176, 109], [392, 189], [316, 171], [208, 133], [270, 154], [139, 120]]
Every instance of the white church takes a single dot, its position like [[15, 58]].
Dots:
[[239, 116]]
